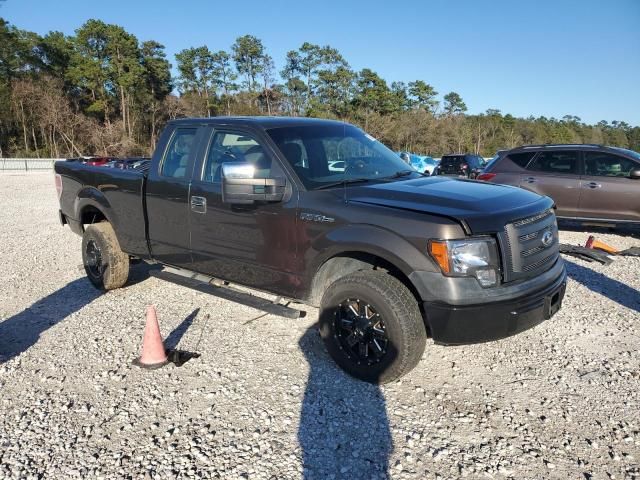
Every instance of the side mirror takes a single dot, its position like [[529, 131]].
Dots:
[[239, 187], [635, 174]]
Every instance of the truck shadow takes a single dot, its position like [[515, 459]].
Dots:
[[22, 330], [344, 430], [597, 282], [142, 271]]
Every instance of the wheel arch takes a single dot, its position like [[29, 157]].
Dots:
[[347, 262], [92, 206], [360, 247]]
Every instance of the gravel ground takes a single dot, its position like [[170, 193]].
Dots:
[[265, 401]]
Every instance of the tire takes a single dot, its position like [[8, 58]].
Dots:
[[106, 265], [385, 305]]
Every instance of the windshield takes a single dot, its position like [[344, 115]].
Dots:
[[631, 153], [325, 154]]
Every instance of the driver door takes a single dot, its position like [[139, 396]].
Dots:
[[253, 245]]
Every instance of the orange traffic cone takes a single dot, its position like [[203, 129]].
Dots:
[[593, 243], [153, 354]]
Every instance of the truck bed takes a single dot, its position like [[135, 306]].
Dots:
[[119, 193]]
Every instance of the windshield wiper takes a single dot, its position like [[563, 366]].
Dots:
[[405, 173], [345, 182]]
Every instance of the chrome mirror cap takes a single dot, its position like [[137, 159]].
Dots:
[[238, 170]]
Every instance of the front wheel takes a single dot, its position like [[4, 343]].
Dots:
[[372, 326], [106, 265]]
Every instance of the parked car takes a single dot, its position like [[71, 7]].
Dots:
[[428, 165], [460, 165], [586, 182], [388, 254], [422, 164], [337, 166]]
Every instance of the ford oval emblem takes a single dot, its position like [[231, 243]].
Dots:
[[547, 238]]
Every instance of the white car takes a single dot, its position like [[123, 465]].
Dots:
[[336, 166]]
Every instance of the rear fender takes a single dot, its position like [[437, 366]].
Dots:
[[92, 197]]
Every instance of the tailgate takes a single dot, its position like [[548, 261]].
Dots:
[[451, 165]]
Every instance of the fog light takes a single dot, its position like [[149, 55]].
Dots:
[[486, 278]]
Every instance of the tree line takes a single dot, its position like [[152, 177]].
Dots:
[[103, 91]]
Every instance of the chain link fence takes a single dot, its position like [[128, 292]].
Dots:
[[26, 164]]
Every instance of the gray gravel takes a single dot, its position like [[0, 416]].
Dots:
[[265, 401]]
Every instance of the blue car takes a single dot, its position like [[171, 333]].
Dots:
[[423, 164]]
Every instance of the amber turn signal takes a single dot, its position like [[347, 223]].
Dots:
[[439, 252]]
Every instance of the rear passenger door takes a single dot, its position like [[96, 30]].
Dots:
[[607, 191], [167, 195], [557, 175]]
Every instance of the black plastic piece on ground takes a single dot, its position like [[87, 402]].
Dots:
[[630, 252], [587, 254], [180, 357]]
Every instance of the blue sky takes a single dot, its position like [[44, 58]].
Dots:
[[540, 57]]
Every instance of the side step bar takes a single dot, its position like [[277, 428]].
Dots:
[[218, 288]]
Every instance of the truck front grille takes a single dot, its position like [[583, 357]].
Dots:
[[529, 246]]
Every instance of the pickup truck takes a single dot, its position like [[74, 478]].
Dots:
[[388, 254]]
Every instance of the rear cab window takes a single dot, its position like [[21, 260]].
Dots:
[[178, 153]]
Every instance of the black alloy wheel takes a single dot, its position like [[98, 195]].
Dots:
[[94, 264], [106, 265], [360, 331], [371, 326]]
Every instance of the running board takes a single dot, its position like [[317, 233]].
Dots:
[[221, 289]]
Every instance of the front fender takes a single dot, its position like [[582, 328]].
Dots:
[[373, 240]]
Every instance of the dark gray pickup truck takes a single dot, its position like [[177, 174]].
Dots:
[[319, 212]]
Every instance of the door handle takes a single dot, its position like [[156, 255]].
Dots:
[[593, 185], [199, 204], [531, 180]]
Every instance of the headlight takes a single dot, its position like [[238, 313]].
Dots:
[[474, 257]]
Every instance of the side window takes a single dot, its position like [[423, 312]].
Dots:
[[521, 159], [603, 164], [560, 162], [235, 147], [176, 158], [294, 149]]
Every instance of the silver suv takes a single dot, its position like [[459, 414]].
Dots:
[[586, 182]]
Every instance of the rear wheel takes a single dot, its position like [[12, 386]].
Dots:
[[372, 326], [106, 265]]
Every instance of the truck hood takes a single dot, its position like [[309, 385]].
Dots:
[[482, 207]]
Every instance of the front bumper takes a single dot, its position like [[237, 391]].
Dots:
[[464, 324]]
